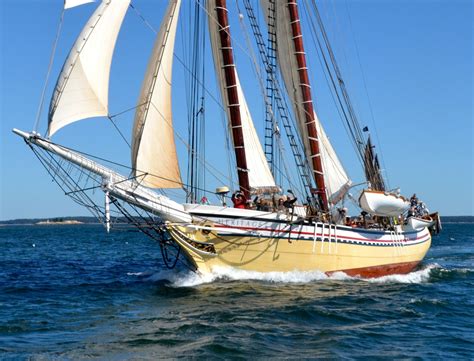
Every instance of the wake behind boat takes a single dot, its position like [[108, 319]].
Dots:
[[258, 227]]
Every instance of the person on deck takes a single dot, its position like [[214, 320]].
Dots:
[[290, 200], [280, 204], [413, 205], [239, 200]]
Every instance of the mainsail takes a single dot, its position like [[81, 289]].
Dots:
[[259, 174], [83, 85], [335, 178], [154, 157]]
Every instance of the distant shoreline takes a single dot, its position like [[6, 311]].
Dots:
[[82, 220]]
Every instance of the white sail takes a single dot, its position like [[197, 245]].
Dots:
[[72, 3], [154, 157], [83, 85], [335, 177], [288, 64], [260, 176], [259, 173]]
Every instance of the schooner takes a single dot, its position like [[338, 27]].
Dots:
[[253, 225]]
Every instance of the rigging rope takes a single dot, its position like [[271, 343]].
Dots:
[[51, 60], [285, 173], [118, 130], [367, 95], [230, 179], [119, 165], [337, 83]]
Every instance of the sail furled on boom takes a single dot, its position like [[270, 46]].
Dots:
[[154, 158], [83, 85], [260, 177]]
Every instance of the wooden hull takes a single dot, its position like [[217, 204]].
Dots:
[[275, 246]]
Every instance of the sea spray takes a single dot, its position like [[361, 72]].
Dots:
[[219, 273]]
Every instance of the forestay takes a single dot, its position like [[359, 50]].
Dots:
[[154, 157], [83, 85]]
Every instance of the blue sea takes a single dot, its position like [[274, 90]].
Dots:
[[74, 292]]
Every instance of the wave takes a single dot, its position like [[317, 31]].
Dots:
[[188, 279]]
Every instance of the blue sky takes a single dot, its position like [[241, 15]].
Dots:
[[415, 56]]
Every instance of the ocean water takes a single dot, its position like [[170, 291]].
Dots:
[[74, 292]]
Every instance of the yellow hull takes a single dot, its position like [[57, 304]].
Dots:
[[355, 252]]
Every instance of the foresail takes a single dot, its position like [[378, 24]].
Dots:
[[154, 157], [83, 85], [259, 174]]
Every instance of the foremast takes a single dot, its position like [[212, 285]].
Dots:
[[231, 88], [312, 142]]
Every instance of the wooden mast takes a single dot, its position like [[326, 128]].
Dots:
[[230, 85], [314, 151]]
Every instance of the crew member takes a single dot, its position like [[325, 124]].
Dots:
[[239, 200]]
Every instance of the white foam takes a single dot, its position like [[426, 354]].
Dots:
[[419, 276], [233, 274], [141, 274], [190, 279]]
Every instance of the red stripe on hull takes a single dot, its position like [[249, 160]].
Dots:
[[298, 232], [379, 271]]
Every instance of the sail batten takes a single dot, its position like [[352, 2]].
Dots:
[[154, 156], [82, 88]]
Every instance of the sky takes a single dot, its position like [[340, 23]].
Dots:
[[408, 66]]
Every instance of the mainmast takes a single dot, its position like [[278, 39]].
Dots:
[[228, 67], [312, 143]]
